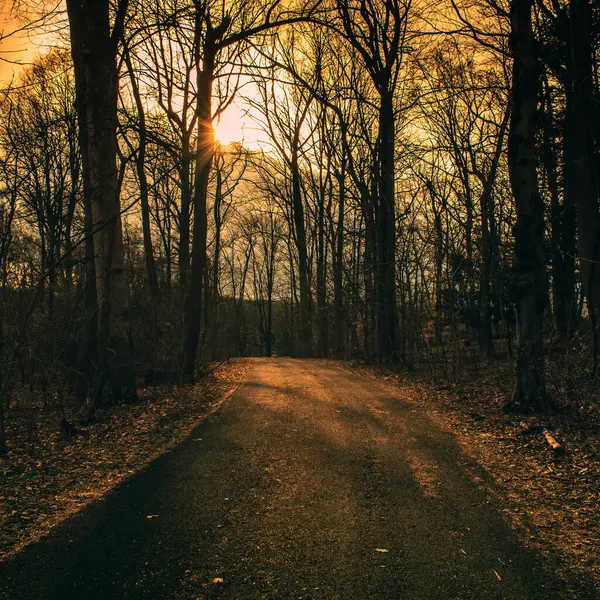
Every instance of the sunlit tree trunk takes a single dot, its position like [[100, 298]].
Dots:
[[204, 160]]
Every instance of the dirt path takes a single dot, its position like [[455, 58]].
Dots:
[[311, 482]]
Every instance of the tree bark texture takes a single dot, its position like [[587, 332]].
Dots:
[[93, 47], [580, 97], [204, 160], [387, 320], [562, 223], [530, 284]]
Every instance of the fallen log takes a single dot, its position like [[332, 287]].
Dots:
[[556, 446]]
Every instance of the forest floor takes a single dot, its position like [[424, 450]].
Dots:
[[46, 479], [551, 498], [311, 482]]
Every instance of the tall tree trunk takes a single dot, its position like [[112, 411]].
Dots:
[[204, 160], [562, 221], [293, 298], [218, 225], [488, 228], [211, 315], [87, 388], [439, 263], [184, 210], [386, 233], [338, 282], [530, 285], [270, 283], [321, 276], [581, 95], [93, 47], [303, 269], [369, 270], [140, 164], [75, 173]]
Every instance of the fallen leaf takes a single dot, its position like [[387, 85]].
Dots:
[[497, 575], [151, 516], [218, 580], [382, 550]]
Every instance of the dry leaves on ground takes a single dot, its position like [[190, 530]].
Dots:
[[44, 479]]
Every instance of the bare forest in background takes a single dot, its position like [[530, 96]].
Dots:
[[426, 194]]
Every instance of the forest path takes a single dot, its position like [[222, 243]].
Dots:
[[311, 482]]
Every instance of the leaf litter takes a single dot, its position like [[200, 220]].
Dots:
[[45, 481]]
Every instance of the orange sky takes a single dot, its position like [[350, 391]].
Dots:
[[233, 126], [18, 48]]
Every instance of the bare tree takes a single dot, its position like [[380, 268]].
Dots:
[[94, 44], [530, 286], [378, 33]]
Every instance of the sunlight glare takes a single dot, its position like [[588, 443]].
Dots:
[[229, 128]]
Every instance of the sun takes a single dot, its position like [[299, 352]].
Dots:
[[229, 127], [238, 124]]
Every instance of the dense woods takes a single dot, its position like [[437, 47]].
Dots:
[[424, 192]]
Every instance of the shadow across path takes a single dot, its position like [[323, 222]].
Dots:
[[310, 482]]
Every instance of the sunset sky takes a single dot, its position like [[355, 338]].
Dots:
[[14, 48], [234, 126]]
